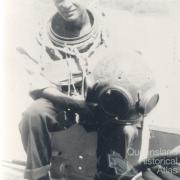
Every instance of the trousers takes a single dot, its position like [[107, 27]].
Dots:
[[38, 121], [43, 117]]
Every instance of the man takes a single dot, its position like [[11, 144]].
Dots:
[[72, 44], [71, 36]]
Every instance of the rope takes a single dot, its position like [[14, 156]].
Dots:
[[88, 44]]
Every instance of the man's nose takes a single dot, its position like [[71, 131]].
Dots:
[[66, 4]]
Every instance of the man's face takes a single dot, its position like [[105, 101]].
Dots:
[[70, 10]]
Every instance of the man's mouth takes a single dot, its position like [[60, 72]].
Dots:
[[69, 12]]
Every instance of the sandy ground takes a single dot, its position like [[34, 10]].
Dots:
[[158, 28]]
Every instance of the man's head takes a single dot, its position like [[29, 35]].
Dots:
[[70, 10]]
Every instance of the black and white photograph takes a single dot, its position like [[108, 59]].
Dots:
[[90, 90]]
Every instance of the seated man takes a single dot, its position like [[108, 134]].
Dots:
[[71, 36], [62, 89]]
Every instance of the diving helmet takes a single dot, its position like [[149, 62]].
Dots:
[[124, 86]]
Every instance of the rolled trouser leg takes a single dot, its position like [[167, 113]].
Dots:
[[37, 121]]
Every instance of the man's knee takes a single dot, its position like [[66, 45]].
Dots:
[[30, 119], [33, 117]]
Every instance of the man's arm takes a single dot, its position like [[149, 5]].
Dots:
[[54, 95]]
